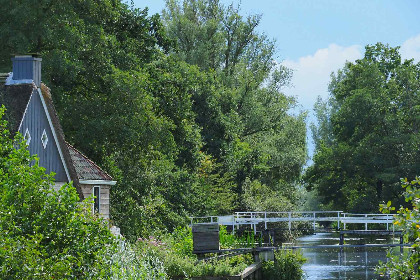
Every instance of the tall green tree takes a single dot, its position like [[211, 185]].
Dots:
[[372, 132], [244, 116], [121, 100]]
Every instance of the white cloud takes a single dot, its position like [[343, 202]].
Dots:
[[411, 48], [312, 73]]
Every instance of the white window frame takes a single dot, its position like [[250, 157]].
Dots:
[[46, 141], [98, 198], [28, 140]]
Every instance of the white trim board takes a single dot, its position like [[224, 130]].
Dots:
[[24, 113], [97, 182]]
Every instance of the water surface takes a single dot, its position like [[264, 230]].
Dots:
[[346, 263]]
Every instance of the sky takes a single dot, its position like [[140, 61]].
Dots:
[[316, 37]]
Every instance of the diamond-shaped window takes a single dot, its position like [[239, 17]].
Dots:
[[27, 137], [44, 139]]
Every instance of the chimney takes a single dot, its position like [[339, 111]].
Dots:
[[26, 68]]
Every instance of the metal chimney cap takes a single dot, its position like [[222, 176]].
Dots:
[[26, 55]]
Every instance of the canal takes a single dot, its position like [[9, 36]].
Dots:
[[346, 263]]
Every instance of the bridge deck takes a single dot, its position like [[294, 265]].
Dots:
[[371, 232]]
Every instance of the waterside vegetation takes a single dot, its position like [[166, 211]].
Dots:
[[186, 112]]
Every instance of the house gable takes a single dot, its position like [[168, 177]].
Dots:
[[30, 111], [43, 140]]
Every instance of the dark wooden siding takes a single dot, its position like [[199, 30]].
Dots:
[[35, 119]]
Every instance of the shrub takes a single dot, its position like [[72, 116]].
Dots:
[[126, 264], [406, 266], [44, 233], [287, 266], [175, 252]]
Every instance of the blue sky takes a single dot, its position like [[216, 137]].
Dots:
[[303, 26], [316, 37]]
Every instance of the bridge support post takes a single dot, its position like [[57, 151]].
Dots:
[[338, 220], [314, 221], [401, 243], [256, 256], [344, 215], [265, 220], [366, 223]]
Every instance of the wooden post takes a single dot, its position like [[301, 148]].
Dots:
[[401, 243], [314, 222], [344, 223], [341, 238], [256, 256], [338, 220], [265, 220]]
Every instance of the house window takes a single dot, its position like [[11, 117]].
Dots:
[[96, 199], [27, 137], [44, 139]]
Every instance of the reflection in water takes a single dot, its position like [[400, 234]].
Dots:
[[348, 263]]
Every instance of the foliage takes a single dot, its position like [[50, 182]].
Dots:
[[367, 134], [245, 120], [49, 231], [286, 266], [175, 252], [126, 264], [182, 119], [405, 266]]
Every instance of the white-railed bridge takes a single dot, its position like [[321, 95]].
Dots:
[[314, 217]]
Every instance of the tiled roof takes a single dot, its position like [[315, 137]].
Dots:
[[85, 168], [15, 99], [46, 94]]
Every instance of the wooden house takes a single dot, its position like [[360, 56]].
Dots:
[[30, 111]]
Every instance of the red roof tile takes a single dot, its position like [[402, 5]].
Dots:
[[85, 168]]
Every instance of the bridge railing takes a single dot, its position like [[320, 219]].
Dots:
[[351, 218], [255, 218]]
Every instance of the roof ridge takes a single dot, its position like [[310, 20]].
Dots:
[[88, 159]]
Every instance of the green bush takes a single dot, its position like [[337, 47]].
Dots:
[[44, 233], [175, 252], [287, 266], [406, 266], [126, 264]]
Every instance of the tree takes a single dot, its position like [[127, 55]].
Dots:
[[114, 89], [368, 135], [245, 120]]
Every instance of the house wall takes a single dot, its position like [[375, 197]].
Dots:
[[57, 185], [104, 198], [35, 119]]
